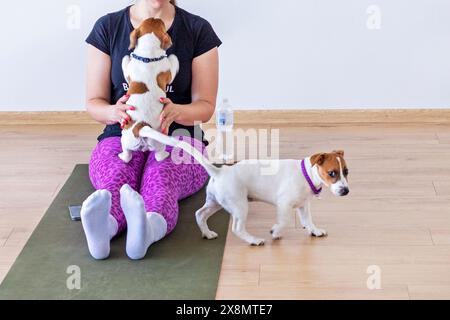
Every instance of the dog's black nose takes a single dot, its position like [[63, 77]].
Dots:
[[345, 191]]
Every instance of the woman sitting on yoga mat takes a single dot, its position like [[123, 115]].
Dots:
[[142, 196]]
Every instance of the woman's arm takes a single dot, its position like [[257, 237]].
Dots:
[[98, 90], [205, 82]]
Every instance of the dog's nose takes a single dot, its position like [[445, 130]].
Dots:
[[345, 191]]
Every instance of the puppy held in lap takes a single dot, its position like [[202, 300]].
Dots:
[[148, 71]]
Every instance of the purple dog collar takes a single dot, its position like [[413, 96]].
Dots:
[[308, 179]]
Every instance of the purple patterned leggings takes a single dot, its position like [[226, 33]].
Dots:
[[161, 184]]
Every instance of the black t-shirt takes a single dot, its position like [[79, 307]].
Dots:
[[191, 35]]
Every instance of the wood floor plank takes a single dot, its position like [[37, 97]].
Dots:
[[8, 255], [264, 292], [4, 235], [429, 292], [239, 275], [346, 235], [440, 235], [18, 237], [292, 254], [353, 275], [443, 137], [442, 187], [330, 203]]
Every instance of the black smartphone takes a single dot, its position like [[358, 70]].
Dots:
[[75, 213]]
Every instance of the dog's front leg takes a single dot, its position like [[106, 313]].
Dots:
[[304, 214], [126, 154], [160, 151], [125, 61], [174, 66]]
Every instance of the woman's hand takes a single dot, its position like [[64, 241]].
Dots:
[[118, 112], [171, 112]]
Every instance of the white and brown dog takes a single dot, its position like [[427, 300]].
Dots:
[[291, 188], [148, 71]]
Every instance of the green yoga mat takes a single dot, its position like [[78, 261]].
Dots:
[[181, 266]]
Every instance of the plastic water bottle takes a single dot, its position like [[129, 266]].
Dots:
[[224, 125]]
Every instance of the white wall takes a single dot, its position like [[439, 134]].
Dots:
[[43, 57], [302, 54]]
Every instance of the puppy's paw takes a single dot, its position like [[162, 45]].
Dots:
[[257, 242], [125, 156], [276, 233], [316, 232], [210, 235], [160, 156]]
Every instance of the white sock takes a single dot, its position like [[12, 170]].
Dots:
[[143, 228], [98, 224]]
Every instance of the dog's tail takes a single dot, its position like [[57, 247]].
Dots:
[[147, 132]]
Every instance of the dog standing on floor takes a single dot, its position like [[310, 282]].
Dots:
[[291, 188], [148, 71]]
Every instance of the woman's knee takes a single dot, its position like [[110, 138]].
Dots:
[[107, 171], [160, 175], [106, 149]]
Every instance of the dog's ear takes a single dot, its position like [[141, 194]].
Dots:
[[318, 159], [340, 153], [134, 36], [166, 42]]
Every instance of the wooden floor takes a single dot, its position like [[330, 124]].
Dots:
[[397, 216]]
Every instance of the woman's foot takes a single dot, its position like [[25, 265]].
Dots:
[[99, 226], [143, 228]]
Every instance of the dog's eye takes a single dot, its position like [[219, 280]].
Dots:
[[332, 174], [345, 172]]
